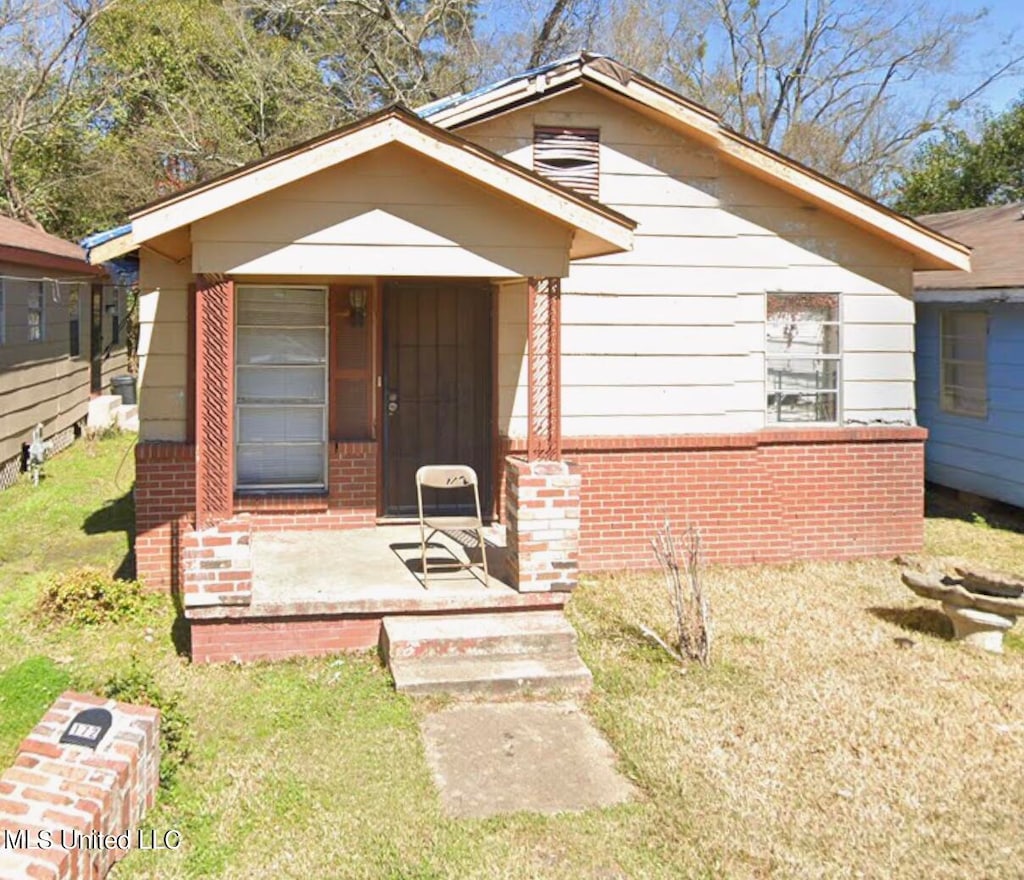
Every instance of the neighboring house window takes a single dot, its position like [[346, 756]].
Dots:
[[114, 308], [3, 313], [963, 344], [74, 324], [36, 313], [568, 156], [803, 357]]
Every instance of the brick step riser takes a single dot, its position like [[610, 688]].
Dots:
[[546, 644]]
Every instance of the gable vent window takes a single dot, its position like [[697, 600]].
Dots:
[[568, 156]]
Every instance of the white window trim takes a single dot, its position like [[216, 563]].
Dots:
[[946, 400], [838, 357], [271, 488]]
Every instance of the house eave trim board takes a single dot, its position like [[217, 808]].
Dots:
[[931, 250], [395, 126], [970, 295]]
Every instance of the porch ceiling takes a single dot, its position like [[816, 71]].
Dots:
[[390, 195]]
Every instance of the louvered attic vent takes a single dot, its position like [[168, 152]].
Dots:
[[568, 156]]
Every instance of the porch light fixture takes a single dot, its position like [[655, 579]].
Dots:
[[357, 305]]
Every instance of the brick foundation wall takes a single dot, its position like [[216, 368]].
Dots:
[[349, 503], [247, 639], [767, 496], [54, 788], [165, 503]]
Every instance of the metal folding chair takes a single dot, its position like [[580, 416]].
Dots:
[[444, 477]]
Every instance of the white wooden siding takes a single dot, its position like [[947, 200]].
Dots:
[[669, 337], [163, 347], [378, 215]]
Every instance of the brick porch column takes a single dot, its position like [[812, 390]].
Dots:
[[215, 369], [216, 556], [542, 512], [542, 500]]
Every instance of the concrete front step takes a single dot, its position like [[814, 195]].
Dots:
[[525, 632], [498, 675], [524, 651]]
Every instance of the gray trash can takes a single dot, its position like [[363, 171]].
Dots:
[[125, 387]]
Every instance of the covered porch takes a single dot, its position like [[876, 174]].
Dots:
[[324, 591], [341, 331]]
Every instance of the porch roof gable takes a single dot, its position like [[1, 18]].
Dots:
[[597, 228]]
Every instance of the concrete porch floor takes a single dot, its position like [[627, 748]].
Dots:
[[374, 571]]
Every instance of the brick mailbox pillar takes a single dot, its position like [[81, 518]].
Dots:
[[73, 803], [542, 513]]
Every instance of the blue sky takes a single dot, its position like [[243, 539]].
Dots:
[[1004, 16]]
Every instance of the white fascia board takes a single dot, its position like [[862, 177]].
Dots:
[[494, 101], [936, 254], [111, 250], [163, 218]]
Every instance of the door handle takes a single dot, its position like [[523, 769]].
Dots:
[[392, 402]]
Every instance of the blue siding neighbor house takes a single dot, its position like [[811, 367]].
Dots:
[[970, 357]]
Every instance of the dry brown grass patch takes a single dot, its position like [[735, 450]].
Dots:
[[839, 734]]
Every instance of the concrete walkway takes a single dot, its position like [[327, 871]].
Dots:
[[494, 758]]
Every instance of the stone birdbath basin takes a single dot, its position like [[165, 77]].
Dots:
[[982, 604]]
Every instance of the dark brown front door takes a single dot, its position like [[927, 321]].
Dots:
[[437, 385]]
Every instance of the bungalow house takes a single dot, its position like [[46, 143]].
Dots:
[[970, 357], [61, 339], [582, 284]]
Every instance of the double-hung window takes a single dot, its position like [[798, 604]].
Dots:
[[963, 346], [803, 357], [281, 388]]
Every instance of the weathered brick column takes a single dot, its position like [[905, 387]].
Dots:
[[217, 564], [542, 513]]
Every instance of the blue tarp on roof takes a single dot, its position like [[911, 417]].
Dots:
[[98, 238], [124, 270]]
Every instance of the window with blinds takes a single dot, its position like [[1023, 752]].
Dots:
[[568, 156], [281, 388]]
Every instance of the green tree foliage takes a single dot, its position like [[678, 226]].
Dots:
[[848, 87], [957, 172], [42, 46], [188, 89], [112, 103]]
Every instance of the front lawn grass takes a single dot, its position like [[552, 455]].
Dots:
[[839, 733]]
